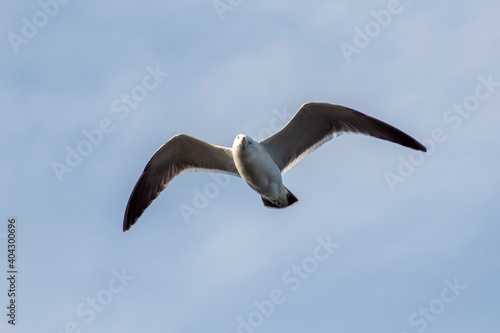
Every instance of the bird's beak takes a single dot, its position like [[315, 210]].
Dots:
[[242, 140]]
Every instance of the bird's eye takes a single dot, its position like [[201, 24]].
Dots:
[[249, 142]]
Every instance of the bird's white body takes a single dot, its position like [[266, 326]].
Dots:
[[257, 168]]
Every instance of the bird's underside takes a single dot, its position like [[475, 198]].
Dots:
[[312, 125]]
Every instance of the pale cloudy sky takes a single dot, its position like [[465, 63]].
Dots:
[[381, 240]]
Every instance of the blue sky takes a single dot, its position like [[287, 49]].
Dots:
[[414, 256]]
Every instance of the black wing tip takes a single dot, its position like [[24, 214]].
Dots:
[[417, 146], [422, 148], [131, 215], [133, 210], [127, 223]]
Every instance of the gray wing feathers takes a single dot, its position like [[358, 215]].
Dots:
[[317, 123], [179, 154]]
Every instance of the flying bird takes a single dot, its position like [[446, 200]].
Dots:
[[259, 163]]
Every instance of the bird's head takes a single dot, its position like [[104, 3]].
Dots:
[[244, 144]]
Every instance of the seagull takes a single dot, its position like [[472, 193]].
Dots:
[[259, 163]]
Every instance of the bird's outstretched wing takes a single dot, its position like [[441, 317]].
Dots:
[[317, 123], [179, 154]]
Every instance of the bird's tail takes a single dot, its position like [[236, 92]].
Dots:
[[292, 199]]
